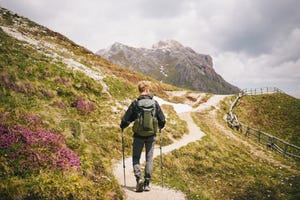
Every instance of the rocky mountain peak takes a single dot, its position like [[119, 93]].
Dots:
[[117, 46], [171, 62], [167, 44]]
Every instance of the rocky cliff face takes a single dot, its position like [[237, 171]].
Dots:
[[171, 62]]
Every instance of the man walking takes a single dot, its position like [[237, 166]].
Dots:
[[147, 115]]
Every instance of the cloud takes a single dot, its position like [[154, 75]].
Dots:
[[252, 27], [162, 8], [279, 67], [249, 26], [252, 42]]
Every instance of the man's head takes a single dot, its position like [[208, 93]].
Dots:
[[144, 87]]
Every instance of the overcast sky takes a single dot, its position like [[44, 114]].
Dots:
[[253, 43]]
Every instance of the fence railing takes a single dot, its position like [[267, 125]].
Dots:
[[263, 138], [258, 91]]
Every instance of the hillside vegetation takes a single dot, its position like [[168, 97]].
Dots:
[[223, 166], [276, 114], [60, 109]]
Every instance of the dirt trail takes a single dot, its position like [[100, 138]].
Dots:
[[157, 192]]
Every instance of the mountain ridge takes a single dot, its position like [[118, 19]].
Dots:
[[171, 62]]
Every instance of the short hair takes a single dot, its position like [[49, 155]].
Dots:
[[144, 85]]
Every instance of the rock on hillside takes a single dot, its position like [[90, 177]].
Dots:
[[171, 62]]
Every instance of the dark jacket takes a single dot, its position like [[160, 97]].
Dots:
[[131, 113]]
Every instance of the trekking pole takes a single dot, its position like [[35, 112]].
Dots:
[[161, 160], [123, 148]]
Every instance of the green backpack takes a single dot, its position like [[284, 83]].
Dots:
[[146, 123]]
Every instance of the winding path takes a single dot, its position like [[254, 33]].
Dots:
[[157, 192]]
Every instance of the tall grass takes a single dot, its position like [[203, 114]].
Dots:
[[221, 167], [277, 114], [39, 93]]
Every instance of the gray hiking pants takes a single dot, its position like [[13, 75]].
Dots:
[[137, 147]]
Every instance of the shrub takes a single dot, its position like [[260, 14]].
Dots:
[[59, 104], [63, 81], [83, 106], [30, 151], [47, 93]]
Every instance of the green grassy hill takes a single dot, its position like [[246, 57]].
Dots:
[[225, 165], [60, 109], [276, 114]]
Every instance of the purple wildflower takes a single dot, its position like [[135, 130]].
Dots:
[[29, 150]]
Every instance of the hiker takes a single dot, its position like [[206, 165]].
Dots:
[[138, 111]]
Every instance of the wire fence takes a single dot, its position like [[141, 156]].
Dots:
[[263, 90], [263, 138]]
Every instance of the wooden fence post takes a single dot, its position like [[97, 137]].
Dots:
[[270, 142], [247, 133], [285, 149], [241, 128]]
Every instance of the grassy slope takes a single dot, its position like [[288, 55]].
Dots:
[[277, 114], [221, 167], [26, 78], [33, 82]]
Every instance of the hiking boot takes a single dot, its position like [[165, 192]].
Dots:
[[140, 186], [146, 186]]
